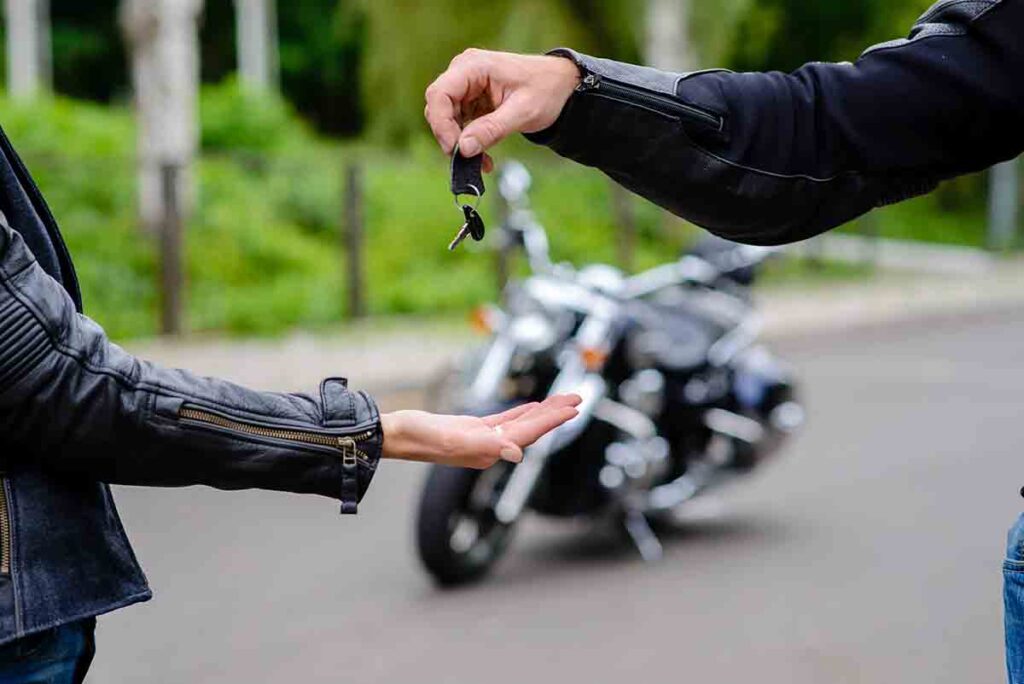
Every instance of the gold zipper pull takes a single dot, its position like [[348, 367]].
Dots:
[[348, 451], [350, 475]]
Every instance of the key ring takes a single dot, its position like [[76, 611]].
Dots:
[[479, 197]]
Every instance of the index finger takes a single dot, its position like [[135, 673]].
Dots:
[[442, 112], [526, 430], [511, 414]]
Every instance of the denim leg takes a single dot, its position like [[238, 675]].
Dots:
[[57, 656], [1013, 602]]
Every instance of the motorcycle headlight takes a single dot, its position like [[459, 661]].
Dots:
[[533, 333]]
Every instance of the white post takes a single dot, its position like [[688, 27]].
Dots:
[[29, 69], [668, 35], [164, 44], [667, 47], [1003, 204], [256, 34]]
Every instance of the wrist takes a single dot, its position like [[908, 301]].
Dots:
[[567, 70], [391, 427]]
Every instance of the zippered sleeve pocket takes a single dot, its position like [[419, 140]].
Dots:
[[659, 103], [644, 89], [245, 447]]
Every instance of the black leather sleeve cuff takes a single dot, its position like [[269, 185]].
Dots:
[[360, 456]]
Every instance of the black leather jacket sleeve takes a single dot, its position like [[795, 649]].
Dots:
[[71, 402], [771, 158]]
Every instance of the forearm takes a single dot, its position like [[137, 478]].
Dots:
[[74, 403], [771, 157]]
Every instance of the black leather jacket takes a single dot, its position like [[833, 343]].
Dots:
[[78, 412], [770, 158]]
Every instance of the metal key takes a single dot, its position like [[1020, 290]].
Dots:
[[474, 226], [459, 237]]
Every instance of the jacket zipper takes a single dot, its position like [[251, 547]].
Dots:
[[5, 530], [346, 444], [661, 103]]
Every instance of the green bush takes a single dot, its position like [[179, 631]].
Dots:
[[259, 246], [236, 120]]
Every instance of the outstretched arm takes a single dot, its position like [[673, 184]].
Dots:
[[73, 403], [764, 157]]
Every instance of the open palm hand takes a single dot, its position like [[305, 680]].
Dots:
[[470, 441]]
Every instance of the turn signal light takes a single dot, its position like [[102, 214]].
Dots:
[[481, 320], [594, 358]]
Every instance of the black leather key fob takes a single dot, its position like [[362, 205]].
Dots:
[[467, 174]]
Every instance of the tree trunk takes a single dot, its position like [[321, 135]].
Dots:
[[164, 44], [256, 30], [668, 44], [668, 47], [29, 60]]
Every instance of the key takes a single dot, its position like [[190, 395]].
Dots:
[[474, 226], [459, 237]]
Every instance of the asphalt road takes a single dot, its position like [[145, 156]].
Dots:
[[870, 552]]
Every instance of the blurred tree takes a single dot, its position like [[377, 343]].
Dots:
[[713, 28], [256, 36], [88, 50], [322, 49], [28, 47], [410, 42], [784, 34], [320, 44], [668, 38], [163, 39]]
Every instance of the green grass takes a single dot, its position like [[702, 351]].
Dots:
[[801, 271], [263, 245], [925, 219]]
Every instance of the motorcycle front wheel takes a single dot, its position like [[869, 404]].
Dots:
[[457, 535]]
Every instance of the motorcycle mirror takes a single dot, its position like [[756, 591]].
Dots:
[[514, 182]]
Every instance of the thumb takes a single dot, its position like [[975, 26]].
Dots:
[[487, 131]]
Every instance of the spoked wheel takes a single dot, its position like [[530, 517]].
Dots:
[[457, 534]]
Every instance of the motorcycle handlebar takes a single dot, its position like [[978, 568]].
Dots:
[[695, 270]]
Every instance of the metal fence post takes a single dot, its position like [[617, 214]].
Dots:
[[353, 240], [1003, 205], [171, 270], [625, 220], [503, 254]]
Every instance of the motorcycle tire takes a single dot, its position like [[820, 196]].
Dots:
[[452, 503]]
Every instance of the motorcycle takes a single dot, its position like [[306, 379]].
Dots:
[[678, 395]]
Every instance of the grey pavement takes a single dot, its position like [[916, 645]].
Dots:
[[870, 552], [952, 260]]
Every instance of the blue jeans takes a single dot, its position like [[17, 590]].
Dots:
[[56, 656], [1013, 601]]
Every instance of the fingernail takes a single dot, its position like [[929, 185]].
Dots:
[[510, 454], [470, 146]]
